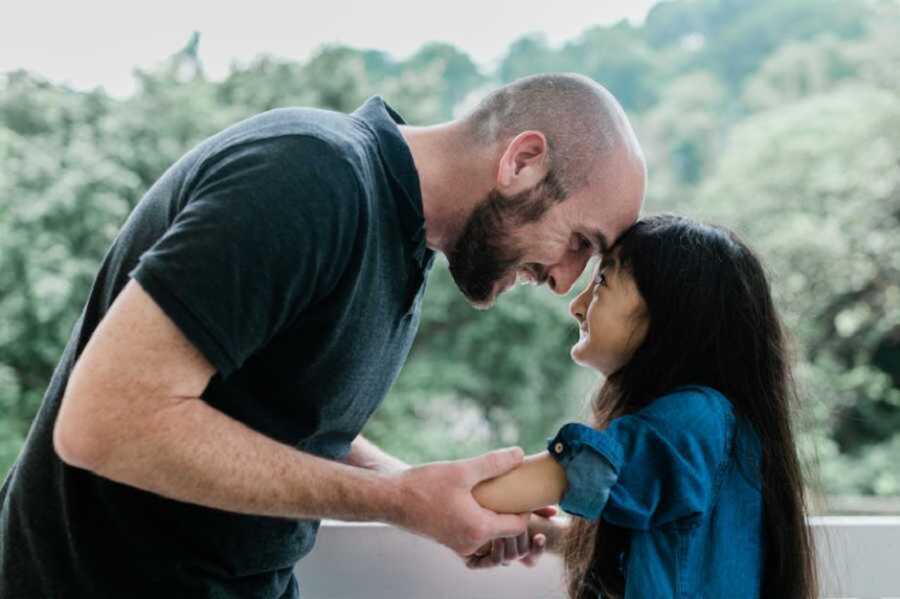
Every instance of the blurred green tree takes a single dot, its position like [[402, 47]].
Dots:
[[779, 119], [815, 186]]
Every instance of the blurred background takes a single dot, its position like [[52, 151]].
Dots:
[[780, 119]]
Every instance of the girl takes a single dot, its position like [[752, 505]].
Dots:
[[687, 484]]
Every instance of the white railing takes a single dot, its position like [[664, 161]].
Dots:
[[859, 557]]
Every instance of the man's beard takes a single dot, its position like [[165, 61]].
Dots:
[[485, 252]]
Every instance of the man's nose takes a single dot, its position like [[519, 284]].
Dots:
[[576, 308], [562, 276]]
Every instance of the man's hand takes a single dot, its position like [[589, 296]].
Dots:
[[527, 548], [438, 502], [365, 454]]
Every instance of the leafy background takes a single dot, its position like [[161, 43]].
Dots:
[[780, 119]]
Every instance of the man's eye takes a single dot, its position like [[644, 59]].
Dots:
[[584, 243]]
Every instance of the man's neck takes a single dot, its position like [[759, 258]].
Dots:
[[454, 178]]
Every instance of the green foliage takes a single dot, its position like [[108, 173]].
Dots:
[[529, 55], [778, 119], [618, 56], [743, 43], [686, 127], [733, 37], [816, 187]]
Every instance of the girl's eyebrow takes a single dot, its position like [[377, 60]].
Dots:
[[608, 260]]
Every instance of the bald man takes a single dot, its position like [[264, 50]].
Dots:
[[253, 312]]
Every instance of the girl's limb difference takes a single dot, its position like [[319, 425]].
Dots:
[[539, 481]]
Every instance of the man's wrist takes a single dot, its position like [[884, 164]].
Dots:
[[387, 497]]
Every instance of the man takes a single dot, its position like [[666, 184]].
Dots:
[[252, 314]]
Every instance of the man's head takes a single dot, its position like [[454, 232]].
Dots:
[[570, 178]]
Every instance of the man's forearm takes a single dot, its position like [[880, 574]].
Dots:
[[365, 454], [132, 413], [192, 452]]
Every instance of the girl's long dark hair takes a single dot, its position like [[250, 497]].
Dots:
[[711, 322]]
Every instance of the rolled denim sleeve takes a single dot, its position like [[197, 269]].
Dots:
[[658, 465], [591, 462]]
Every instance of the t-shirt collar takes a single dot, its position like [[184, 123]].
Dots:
[[383, 121]]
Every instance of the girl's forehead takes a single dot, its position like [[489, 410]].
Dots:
[[608, 261]]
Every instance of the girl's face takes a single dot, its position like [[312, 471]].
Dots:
[[612, 317]]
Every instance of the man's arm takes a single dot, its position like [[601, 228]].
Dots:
[[365, 454], [132, 413]]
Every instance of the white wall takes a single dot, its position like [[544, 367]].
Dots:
[[860, 557]]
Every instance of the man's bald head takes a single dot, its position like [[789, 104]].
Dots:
[[582, 122], [568, 178]]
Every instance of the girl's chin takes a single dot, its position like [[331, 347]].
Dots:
[[579, 354]]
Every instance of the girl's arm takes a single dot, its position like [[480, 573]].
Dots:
[[538, 482]]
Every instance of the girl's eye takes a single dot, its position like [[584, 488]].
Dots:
[[600, 279]]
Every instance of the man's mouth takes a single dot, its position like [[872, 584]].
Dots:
[[506, 283], [525, 275], [534, 275]]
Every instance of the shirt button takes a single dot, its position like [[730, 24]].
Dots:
[[558, 448]]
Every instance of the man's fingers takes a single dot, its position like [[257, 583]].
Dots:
[[509, 525], [546, 512], [494, 464], [538, 545], [522, 544], [483, 550], [512, 549], [498, 555], [506, 550]]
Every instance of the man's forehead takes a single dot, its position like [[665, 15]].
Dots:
[[599, 221], [615, 197], [604, 233]]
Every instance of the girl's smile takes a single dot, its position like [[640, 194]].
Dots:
[[612, 319]]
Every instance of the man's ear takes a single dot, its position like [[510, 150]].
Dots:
[[524, 163]]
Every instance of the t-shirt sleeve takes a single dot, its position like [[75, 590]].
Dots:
[[266, 232], [650, 468]]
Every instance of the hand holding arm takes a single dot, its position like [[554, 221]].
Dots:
[[132, 412], [539, 481]]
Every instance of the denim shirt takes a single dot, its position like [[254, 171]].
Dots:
[[683, 476]]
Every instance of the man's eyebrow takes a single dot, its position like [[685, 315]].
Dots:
[[600, 241]]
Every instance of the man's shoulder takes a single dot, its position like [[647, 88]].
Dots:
[[310, 150], [327, 135]]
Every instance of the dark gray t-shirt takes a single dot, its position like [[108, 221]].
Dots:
[[290, 249]]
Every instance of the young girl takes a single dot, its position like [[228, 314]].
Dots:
[[687, 482]]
